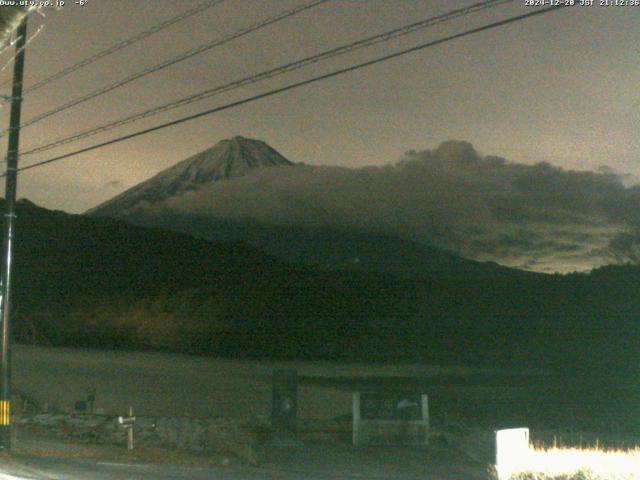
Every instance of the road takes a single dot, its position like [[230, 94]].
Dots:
[[313, 461], [80, 469], [75, 469], [35, 458]]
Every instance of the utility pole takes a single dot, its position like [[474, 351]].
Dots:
[[9, 217]]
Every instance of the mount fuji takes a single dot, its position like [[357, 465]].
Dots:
[[226, 160], [227, 165]]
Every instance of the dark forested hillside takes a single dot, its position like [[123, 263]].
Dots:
[[84, 281]]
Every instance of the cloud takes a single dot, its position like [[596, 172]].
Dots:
[[625, 248], [537, 217]]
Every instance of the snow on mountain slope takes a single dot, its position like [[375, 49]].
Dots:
[[227, 159]]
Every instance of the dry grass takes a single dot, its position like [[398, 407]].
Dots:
[[574, 464]]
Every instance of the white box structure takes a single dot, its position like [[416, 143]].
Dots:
[[388, 418], [512, 450]]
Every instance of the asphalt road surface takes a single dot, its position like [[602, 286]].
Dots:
[[74, 469], [79, 469], [316, 461]]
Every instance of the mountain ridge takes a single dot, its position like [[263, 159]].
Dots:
[[320, 248], [482, 207], [326, 248], [227, 159]]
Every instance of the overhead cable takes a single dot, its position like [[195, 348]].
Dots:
[[123, 44], [172, 61], [280, 70], [292, 86]]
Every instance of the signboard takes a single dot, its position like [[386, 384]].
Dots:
[[390, 418], [512, 450], [381, 406]]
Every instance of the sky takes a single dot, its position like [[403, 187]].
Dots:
[[559, 88]]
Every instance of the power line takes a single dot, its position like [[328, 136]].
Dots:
[[179, 58], [280, 70], [292, 86], [123, 44]]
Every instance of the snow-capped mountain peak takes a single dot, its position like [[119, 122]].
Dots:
[[229, 158]]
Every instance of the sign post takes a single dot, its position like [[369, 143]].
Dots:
[[128, 423]]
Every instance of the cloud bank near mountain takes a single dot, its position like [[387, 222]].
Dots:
[[537, 217]]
